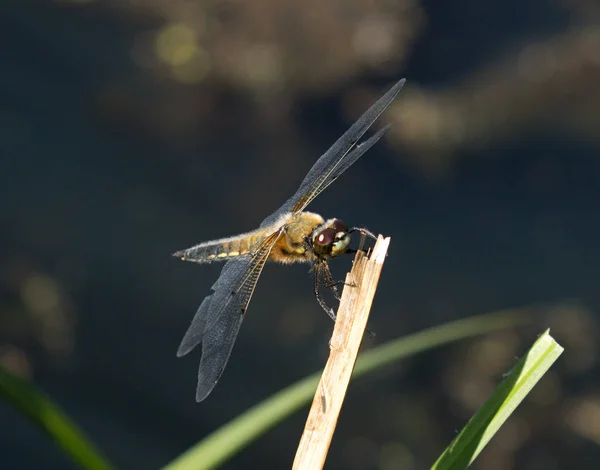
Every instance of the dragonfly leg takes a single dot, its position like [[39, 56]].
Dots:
[[321, 270], [328, 310], [363, 231], [329, 282]]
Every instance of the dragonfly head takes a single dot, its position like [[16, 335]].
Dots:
[[331, 239]]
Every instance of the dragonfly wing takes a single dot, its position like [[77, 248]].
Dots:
[[231, 274], [342, 166], [218, 319], [338, 158]]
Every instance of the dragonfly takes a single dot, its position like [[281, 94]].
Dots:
[[288, 235]]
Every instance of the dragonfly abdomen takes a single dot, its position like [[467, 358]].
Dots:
[[223, 249], [230, 248]]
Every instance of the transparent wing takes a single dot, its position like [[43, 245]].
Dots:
[[342, 154], [341, 166], [219, 317]]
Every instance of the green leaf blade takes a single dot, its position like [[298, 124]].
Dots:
[[48, 417], [486, 422]]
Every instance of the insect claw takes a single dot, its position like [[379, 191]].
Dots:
[[363, 231]]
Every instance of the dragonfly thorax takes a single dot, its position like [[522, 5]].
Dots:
[[330, 239]]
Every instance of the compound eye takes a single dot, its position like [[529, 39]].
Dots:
[[325, 237], [339, 226]]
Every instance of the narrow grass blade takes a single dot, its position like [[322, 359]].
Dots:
[[47, 416], [495, 411], [222, 444]]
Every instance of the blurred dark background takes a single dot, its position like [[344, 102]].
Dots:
[[133, 128]]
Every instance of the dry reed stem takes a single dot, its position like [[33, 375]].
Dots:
[[352, 316]]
